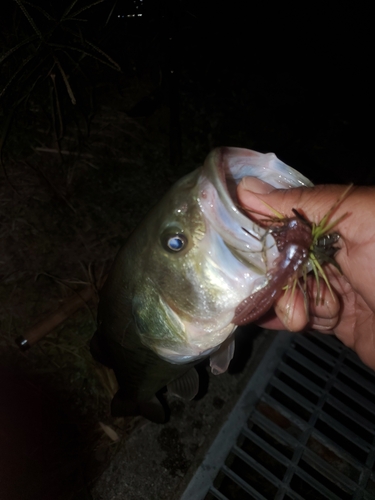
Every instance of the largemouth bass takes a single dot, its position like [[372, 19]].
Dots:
[[194, 269]]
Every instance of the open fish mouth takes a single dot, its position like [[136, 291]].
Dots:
[[222, 171]]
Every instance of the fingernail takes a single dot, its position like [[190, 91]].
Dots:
[[321, 328]]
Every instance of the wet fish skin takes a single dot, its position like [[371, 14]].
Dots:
[[164, 308]]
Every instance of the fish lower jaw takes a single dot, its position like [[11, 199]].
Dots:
[[181, 359], [197, 348]]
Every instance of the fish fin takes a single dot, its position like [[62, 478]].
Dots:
[[153, 409], [186, 386], [220, 359]]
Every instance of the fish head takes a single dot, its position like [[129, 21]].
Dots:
[[198, 255]]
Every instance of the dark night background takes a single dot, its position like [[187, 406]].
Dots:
[[293, 81], [296, 81], [76, 179]]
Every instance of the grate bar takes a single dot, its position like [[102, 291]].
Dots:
[[368, 474], [244, 485], [371, 461], [344, 431], [361, 381], [328, 340], [304, 426], [296, 396], [360, 493], [257, 466], [280, 435], [353, 358], [304, 381], [217, 494], [347, 411], [293, 495], [341, 452], [310, 365], [266, 447], [328, 471], [274, 430], [324, 468], [316, 485], [285, 412], [311, 347], [358, 398]]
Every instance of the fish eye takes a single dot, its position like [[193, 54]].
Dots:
[[174, 242]]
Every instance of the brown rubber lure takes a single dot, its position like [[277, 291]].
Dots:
[[294, 240]]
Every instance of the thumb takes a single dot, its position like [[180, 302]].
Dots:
[[313, 203]]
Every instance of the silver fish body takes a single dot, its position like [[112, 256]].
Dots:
[[172, 294]]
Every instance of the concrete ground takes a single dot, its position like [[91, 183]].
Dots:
[[156, 462]]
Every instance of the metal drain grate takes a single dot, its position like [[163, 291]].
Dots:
[[304, 429]]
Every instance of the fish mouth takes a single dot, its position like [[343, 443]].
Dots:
[[221, 173], [246, 240]]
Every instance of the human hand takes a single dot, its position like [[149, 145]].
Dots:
[[349, 312]]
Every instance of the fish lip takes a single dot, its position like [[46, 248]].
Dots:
[[219, 204]]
